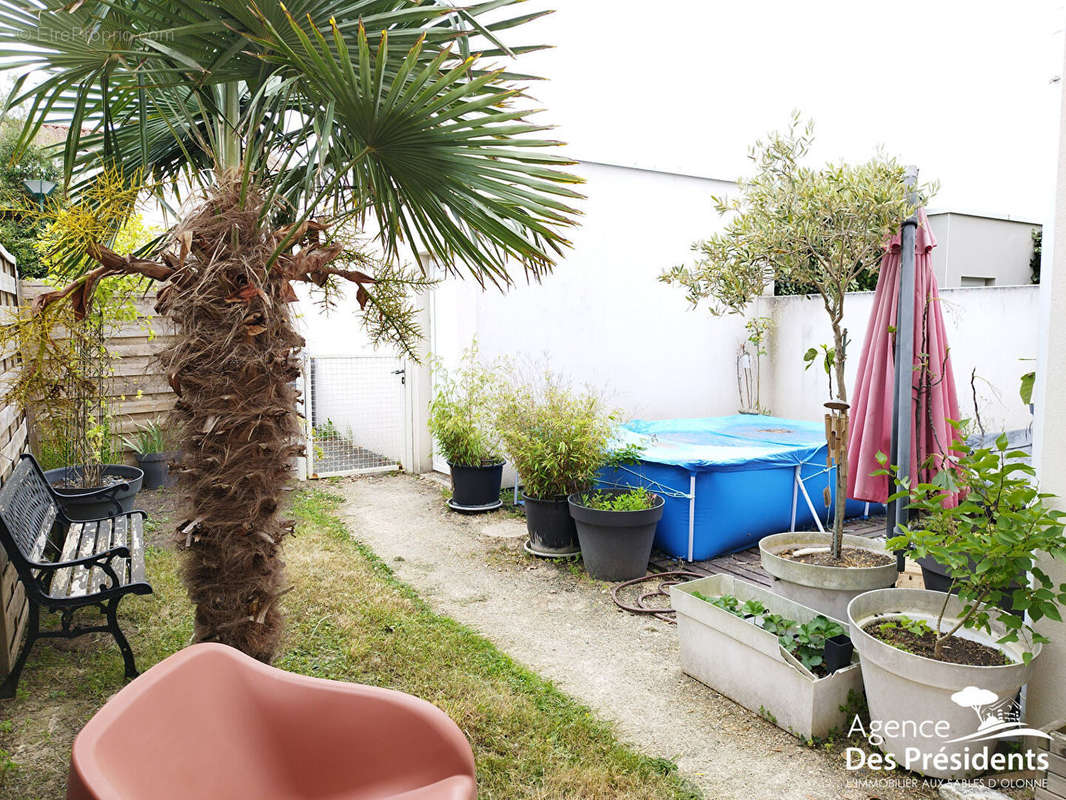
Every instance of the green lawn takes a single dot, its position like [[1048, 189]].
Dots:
[[348, 619]]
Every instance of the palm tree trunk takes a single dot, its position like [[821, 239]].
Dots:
[[232, 367]]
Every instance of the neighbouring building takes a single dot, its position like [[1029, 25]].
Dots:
[[981, 250]]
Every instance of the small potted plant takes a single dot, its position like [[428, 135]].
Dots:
[[150, 446], [557, 437], [924, 652], [460, 419], [616, 528]]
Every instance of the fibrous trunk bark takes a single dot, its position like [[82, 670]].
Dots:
[[232, 368]]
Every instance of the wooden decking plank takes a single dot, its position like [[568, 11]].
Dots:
[[747, 564]]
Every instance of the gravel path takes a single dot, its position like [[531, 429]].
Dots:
[[565, 627]]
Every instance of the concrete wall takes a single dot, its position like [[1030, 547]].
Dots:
[[602, 317], [973, 248], [971, 315]]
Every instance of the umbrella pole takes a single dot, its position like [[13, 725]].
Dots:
[[902, 416]]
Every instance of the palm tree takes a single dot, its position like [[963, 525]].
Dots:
[[286, 123]]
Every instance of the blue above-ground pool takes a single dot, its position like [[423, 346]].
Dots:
[[729, 481]]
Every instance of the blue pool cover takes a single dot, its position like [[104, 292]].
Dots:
[[741, 441], [728, 481]]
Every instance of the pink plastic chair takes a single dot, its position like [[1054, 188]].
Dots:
[[210, 722]]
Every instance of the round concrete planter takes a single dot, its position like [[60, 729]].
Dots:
[[825, 589], [905, 690]]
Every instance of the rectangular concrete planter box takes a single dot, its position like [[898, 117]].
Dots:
[[746, 664]]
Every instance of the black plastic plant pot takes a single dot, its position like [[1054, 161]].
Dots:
[[476, 488], [937, 576], [550, 526], [838, 650], [616, 545], [156, 468], [79, 507]]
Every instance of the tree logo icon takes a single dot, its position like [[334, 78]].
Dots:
[[997, 719]]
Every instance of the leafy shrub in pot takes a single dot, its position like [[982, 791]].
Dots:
[[921, 649], [557, 438], [461, 421], [616, 528]]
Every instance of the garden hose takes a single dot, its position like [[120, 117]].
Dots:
[[666, 580]]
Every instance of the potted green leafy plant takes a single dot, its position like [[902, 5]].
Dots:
[[150, 444], [557, 438], [616, 528], [461, 421], [922, 651]]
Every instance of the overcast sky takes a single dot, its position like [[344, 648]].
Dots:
[[962, 89]]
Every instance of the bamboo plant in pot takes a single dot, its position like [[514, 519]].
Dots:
[[925, 654], [460, 419], [61, 383], [557, 438]]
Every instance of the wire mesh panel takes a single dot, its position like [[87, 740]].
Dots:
[[357, 419]]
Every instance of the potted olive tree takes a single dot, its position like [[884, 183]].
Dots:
[[929, 657], [460, 419], [818, 232], [557, 438]]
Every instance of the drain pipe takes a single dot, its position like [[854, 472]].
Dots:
[[902, 416]]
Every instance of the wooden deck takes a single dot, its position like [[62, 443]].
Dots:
[[746, 564]]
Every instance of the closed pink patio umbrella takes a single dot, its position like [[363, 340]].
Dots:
[[933, 397]]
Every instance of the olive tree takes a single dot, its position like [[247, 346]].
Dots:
[[818, 227]]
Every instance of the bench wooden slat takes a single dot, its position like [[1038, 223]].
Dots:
[[98, 579], [119, 538], [136, 522], [61, 580], [42, 533], [79, 581]]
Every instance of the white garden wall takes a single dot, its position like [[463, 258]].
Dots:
[[602, 317], [991, 330]]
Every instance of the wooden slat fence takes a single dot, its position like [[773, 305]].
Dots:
[[137, 392], [13, 442]]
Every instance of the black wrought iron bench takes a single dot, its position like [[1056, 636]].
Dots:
[[66, 565]]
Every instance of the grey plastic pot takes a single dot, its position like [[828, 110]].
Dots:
[[156, 468], [77, 506], [615, 545], [825, 589], [550, 526], [909, 695]]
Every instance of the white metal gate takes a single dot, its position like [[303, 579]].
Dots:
[[355, 411]]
